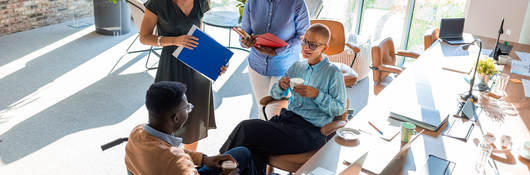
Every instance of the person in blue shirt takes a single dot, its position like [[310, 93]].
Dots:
[[288, 20], [311, 106]]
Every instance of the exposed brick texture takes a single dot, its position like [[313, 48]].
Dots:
[[21, 15]]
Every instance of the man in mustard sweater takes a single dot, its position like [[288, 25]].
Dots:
[[152, 150]]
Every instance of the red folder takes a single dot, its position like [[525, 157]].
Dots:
[[270, 40]]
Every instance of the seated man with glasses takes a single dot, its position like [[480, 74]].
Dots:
[[152, 150], [312, 105]]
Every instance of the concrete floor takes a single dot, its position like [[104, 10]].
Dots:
[[64, 92]]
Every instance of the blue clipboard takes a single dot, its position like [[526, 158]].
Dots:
[[207, 58]]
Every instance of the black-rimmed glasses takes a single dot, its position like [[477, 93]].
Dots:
[[312, 45]]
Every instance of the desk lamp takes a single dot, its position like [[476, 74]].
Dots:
[[472, 82], [497, 50]]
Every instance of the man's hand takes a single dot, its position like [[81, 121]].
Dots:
[[266, 50], [222, 70], [216, 161], [248, 42], [284, 82], [306, 91]]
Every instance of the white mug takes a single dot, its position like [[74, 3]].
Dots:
[[296, 81]]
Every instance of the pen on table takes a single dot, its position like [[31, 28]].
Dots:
[[371, 124]]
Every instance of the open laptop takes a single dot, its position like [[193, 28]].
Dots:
[[451, 30]]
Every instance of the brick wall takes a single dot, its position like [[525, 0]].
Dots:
[[21, 15]]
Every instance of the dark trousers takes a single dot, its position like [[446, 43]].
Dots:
[[287, 133], [243, 158]]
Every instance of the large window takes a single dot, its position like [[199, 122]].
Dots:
[[406, 21], [344, 11], [384, 18], [229, 5], [428, 14]]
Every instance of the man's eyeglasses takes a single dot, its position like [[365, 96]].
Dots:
[[189, 107], [312, 45]]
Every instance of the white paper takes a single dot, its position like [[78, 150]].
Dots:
[[526, 86], [524, 56], [486, 51], [320, 171], [521, 68]]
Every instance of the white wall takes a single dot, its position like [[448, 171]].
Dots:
[[525, 32], [483, 17]]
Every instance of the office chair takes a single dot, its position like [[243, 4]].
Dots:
[[384, 63], [137, 13], [430, 37], [336, 50]]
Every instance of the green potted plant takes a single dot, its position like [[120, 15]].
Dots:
[[486, 69], [241, 6]]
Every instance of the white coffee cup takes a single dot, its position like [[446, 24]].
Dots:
[[296, 81], [503, 59], [229, 164]]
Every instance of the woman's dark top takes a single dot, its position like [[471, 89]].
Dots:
[[173, 22]]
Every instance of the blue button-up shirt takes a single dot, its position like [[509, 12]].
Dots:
[[331, 99], [288, 20], [172, 140]]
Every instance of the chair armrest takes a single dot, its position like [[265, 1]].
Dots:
[[390, 68], [332, 127], [268, 99], [353, 47], [406, 53]]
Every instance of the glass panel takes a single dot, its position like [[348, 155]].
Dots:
[[428, 14], [384, 18], [225, 5], [344, 11]]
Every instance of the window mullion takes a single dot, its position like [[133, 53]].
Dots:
[[407, 25], [360, 4]]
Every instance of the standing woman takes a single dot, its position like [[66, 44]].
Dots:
[[286, 19], [173, 19]]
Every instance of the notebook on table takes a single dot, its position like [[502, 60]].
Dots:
[[382, 156], [422, 116], [388, 126]]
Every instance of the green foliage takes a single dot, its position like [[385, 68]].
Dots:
[[486, 66], [427, 15]]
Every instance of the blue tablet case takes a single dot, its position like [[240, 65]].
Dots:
[[207, 58]]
